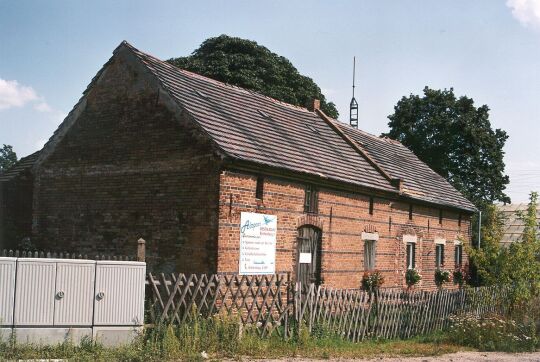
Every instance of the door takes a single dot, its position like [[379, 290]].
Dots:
[[119, 293], [309, 256], [74, 295]]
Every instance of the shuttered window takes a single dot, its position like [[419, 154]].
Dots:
[[311, 201]]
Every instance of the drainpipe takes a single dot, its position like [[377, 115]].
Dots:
[[479, 228]]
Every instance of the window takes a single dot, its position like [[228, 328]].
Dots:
[[371, 205], [311, 199], [259, 191], [410, 211], [458, 254], [369, 254], [411, 255], [440, 217], [439, 255]]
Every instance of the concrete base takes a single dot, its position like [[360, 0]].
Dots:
[[116, 336], [51, 336], [5, 334]]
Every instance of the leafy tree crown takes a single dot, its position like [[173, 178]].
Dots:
[[249, 65], [8, 157], [456, 139]]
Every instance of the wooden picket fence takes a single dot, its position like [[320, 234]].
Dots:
[[274, 304], [388, 314], [258, 301], [61, 255]]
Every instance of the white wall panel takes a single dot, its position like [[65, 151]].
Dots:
[[34, 295], [119, 293], [74, 294], [7, 290]]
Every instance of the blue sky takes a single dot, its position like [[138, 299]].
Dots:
[[488, 50]]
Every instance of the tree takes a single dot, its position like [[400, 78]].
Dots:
[[7, 157], [456, 140], [249, 65]]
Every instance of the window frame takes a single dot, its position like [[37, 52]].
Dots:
[[410, 258], [439, 256], [458, 255], [370, 254]]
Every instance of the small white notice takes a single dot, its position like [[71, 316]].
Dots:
[[305, 258], [257, 243]]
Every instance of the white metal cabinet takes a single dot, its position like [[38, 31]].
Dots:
[[74, 293], [34, 295], [119, 293], [7, 290]]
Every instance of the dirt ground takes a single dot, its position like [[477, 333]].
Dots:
[[454, 357]]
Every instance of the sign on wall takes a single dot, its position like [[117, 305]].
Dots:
[[257, 243]]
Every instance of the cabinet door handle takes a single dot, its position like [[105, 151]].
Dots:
[[100, 296]]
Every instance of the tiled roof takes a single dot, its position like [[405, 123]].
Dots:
[[419, 181], [22, 165], [249, 126], [513, 225]]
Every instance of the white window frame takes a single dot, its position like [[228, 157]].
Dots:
[[410, 256], [439, 255]]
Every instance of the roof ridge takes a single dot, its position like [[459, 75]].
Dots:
[[215, 81]]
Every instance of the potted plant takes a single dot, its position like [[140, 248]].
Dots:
[[372, 280], [412, 277], [441, 276], [460, 276]]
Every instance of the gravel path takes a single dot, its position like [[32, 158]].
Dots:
[[454, 357]]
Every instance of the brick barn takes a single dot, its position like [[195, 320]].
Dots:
[[161, 153]]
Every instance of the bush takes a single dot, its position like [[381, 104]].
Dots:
[[492, 333], [441, 276], [460, 276], [371, 281], [412, 277]]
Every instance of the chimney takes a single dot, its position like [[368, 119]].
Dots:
[[315, 104]]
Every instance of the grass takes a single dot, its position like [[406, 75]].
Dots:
[[219, 338]]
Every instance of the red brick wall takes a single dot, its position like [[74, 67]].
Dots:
[[344, 216], [129, 168]]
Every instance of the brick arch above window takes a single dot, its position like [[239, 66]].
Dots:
[[439, 238], [308, 219], [370, 233], [409, 234]]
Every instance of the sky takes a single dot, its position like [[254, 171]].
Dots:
[[488, 50]]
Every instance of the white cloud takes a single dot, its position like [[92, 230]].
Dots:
[[12, 94], [43, 107], [527, 12]]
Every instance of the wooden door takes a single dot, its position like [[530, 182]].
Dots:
[[309, 256]]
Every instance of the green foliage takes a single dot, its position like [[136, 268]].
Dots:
[[460, 276], [520, 266], [372, 281], [249, 65], [455, 139], [486, 261], [7, 157], [441, 277], [412, 277], [493, 333]]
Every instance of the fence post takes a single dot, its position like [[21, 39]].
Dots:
[[141, 250]]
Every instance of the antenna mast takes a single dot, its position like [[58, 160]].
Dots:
[[353, 119]]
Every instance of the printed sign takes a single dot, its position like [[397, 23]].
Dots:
[[257, 243], [305, 258]]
